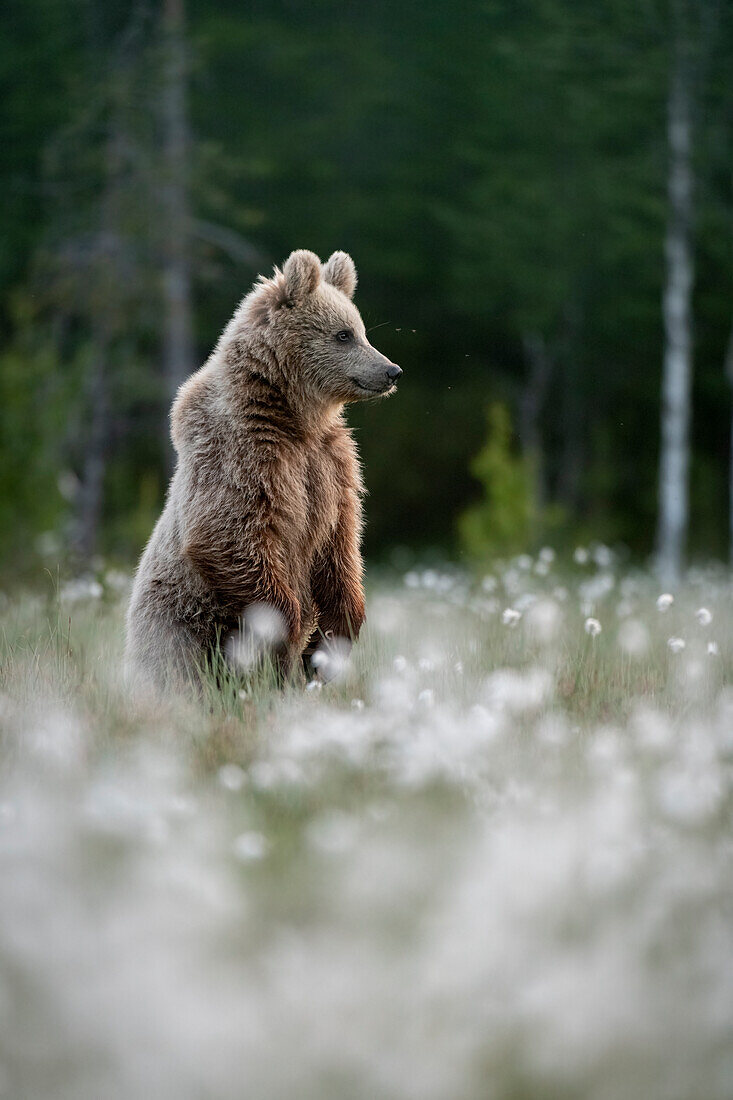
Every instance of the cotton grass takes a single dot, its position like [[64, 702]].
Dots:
[[484, 858]]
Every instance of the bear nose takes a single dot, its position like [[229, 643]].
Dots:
[[393, 372]]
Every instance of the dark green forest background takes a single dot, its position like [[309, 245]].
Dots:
[[499, 172]]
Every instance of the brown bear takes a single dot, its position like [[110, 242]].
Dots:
[[264, 507]]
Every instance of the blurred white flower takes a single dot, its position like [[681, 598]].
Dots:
[[665, 601], [510, 616], [231, 777], [117, 580], [426, 697], [313, 685], [704, 616], [633, 638], [489, 583], [511, 581], [331, 659], [580, 555], [524, 562], [508, 689], [689, 795], [553, 730], [266, 623], [713, 650], [82, 588], [676, 645], [547, 555], [263, 628], [592, 627], [653, 729], [263, 774], [597, 587], [399, 664], [250, 847], [543, 621], [602, 556], [357, 704], [332, 832]]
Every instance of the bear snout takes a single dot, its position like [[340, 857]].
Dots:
[[393, 372]]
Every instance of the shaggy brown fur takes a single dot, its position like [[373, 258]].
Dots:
[[265, 502]]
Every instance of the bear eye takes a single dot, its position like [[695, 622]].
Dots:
[[345, 335]]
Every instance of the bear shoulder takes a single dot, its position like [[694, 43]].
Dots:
[[194, 408]]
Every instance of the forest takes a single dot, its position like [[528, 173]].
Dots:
[[538, 197]]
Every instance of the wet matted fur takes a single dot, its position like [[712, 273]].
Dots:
[[265, 502]]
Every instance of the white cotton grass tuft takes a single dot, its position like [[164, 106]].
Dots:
[[517, 692], [592, 627], [633, 638], [331, 659], [543, 621], [232, 777], [265, 623], [704, 616], [675, 644], [250, 847], [263, 629], [80, 589], [665, 601], [510, 616]]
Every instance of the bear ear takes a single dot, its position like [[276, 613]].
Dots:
[[302, 273], [340, 272]]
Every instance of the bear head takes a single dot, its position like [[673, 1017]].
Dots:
[[306, 315]]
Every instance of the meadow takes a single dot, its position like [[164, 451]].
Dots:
[[491, 858]]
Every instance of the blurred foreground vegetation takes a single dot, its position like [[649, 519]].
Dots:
[[492, 859]]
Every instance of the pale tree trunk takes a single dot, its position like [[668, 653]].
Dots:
[[531, 402], [178, 355], [677, 313], [729, 372], [106, 272]]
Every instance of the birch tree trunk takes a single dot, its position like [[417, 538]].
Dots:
[[105, 274], [729, 374], [178, 359], [677, 314]]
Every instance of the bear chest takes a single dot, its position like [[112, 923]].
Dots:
[[322, 501]]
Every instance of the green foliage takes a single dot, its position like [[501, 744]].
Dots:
[[498, 172], [34, 405], [502, 522]]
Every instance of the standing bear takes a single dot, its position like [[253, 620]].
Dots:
[[264, 507]]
